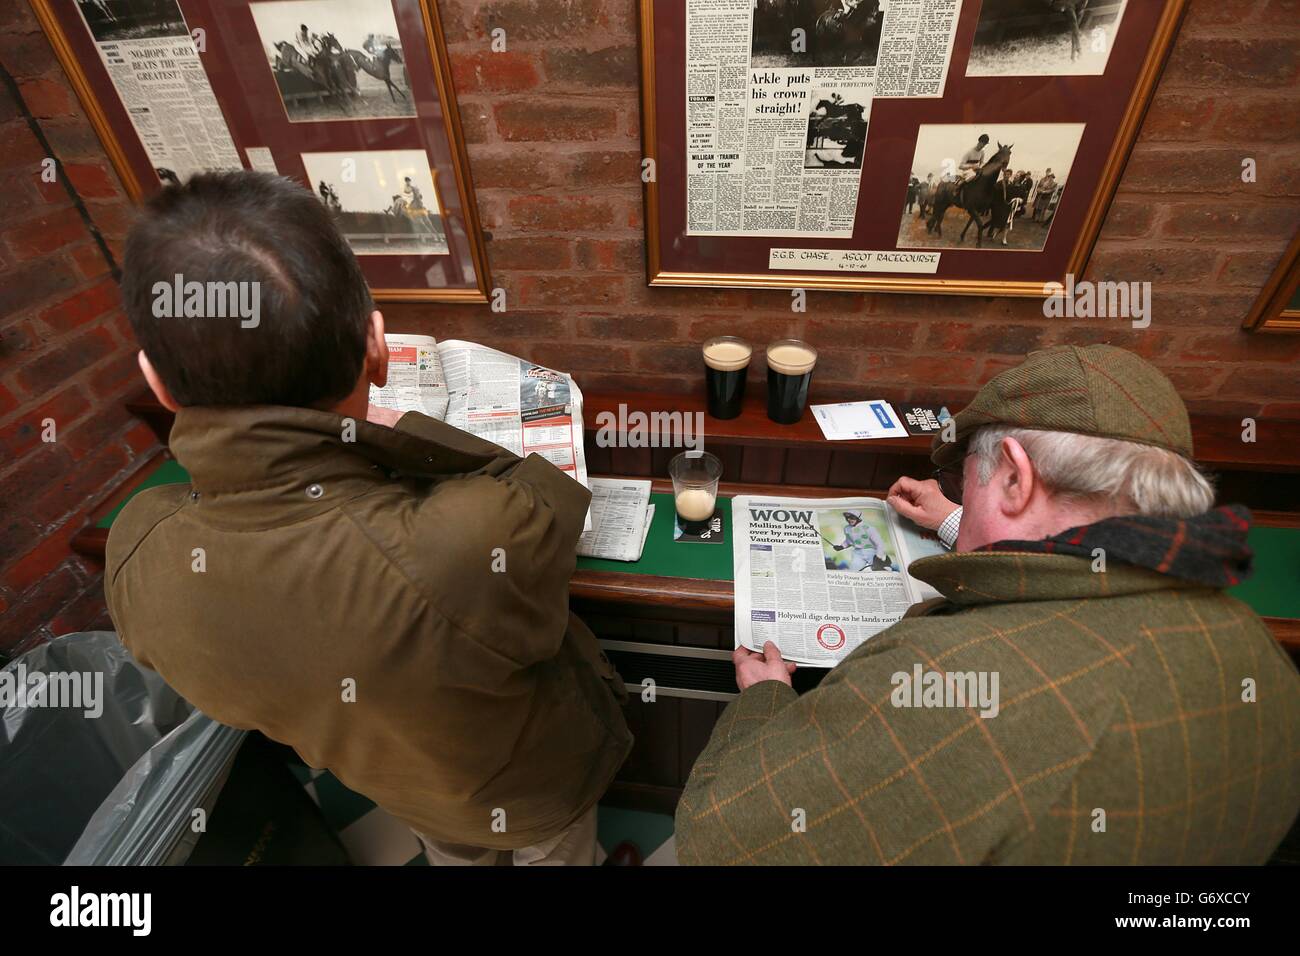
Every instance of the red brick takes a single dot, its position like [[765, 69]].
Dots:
[[91, 435], [560, 214], [112, 377], [41, 560], [77, 310], [92, 180], [89, 260], [616, 66], [1226, 220], [25, 432], [571, 355], [21, 148], [570, 290], [1178, 116], [853, 333], [1218, 62], [55, 366], [1241, 347], [1137, 264], [506, 72], [89, 481], [525, 20], [610, 255], [1259, 119], [1127, 220], [513, 168], [966, 338], [25, 624], [47, 97], [45, 234], [141, 440], [606, 168], [640, 328], [88, 612], [530, 253], [522, 120], [7, 401]]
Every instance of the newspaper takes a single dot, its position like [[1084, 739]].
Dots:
[[620, 519], [163, 86], [819, 576], [778, 101], [525, 408]]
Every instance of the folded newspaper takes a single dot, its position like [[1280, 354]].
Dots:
[[820, 576], [523, 407], [620, 519]]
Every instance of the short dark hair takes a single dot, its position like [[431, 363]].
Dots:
[[309, 346]]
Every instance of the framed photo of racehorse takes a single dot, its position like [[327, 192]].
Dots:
[[352, 98], [968, 147]]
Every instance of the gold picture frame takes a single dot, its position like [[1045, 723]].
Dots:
[[52, 16], [1278, 307], [1165, 31]]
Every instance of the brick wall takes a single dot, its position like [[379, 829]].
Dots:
[[553, 131], [554, 140], [66, 352]]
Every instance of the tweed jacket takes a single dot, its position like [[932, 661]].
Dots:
[[1141, 718]]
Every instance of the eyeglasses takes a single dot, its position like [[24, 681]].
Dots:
[[951, 479]]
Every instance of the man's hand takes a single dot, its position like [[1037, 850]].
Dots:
[[920, 501], [754, 668], [383, 416]]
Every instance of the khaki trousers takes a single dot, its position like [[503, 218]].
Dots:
[[575, 846]]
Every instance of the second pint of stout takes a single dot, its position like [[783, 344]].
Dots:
[[789, 371], [726, 363]]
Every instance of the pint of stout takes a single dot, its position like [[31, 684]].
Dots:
[[726, 362], [789, 372]]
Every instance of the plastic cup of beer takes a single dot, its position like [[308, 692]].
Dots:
[[726, 364], [695, 489], [790, 365]]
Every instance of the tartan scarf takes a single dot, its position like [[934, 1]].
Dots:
[[1209, 549]]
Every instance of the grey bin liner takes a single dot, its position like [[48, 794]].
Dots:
[[117, 789]]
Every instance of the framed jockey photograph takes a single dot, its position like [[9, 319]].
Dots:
[[351, 98], [889, 145]]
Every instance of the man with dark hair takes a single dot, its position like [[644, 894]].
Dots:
[[388, 596]]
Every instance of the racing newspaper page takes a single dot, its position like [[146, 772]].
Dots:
[[155, 67], [523, 407], [778, 101], [819, 576]]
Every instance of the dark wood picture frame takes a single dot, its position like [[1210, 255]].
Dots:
[[246, 92], [1118, 100]]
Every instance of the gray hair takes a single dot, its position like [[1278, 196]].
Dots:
[[1137, 478]]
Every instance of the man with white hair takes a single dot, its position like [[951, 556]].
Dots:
[[1084, 692]]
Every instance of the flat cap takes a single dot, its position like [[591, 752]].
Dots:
[[1096, 390]]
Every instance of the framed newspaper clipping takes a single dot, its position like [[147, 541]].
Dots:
[[951, 146], [353, 98]]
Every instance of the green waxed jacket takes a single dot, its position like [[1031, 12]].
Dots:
[[1121, 735], [395, 608]]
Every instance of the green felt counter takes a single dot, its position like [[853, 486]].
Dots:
[[666, 558], [1273, 590]]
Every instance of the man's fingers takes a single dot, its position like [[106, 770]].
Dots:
[[905, 486], [742, 654], [771, 653], [791, 666]]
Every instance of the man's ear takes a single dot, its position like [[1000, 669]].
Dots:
[[1017, 479], [376, 351], [156, 383]]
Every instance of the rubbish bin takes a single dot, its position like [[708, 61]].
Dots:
[[100, 761]]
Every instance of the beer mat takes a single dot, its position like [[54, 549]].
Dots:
[[715, 533], [924, 419]]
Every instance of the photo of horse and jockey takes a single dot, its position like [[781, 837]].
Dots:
[[335, 59], [1005, 179]]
